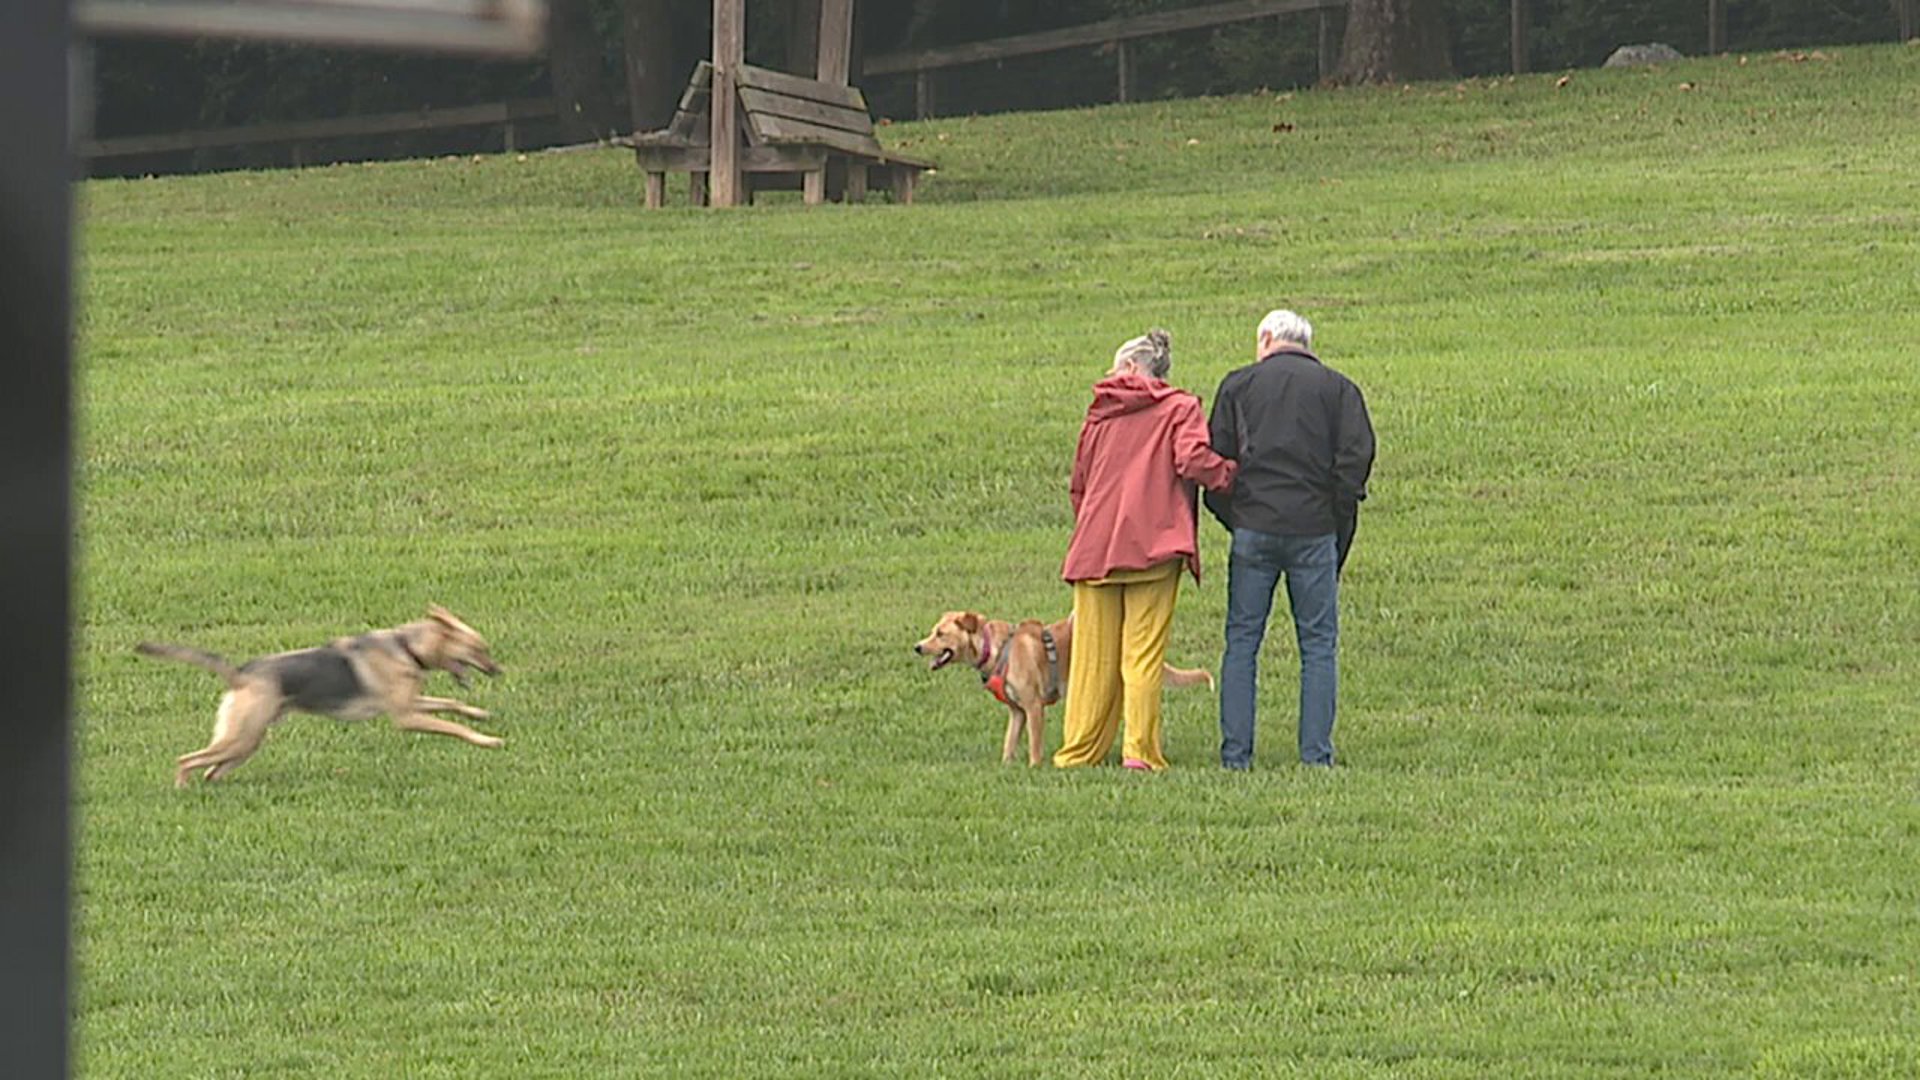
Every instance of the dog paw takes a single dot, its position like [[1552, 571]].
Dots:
[[490, 742]]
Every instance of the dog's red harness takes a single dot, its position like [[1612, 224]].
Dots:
[[995, 681]]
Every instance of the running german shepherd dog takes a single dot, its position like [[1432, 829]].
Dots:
[[352, 678]]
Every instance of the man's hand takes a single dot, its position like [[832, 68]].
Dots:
[[1346, 522]]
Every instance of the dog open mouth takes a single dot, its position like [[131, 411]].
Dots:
[[940, 660], [461, 669]]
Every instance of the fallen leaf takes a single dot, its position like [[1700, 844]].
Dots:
[[1686, 86], [1193, 142], [1561, 82], [1283, 125]]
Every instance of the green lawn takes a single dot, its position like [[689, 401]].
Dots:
[[1632, 633]]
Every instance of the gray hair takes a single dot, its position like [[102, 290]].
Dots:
[[1284, 325], [1151, 354]]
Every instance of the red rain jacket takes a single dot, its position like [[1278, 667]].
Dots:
[[1143, 447]]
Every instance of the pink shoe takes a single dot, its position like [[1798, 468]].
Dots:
[[1135, 763]]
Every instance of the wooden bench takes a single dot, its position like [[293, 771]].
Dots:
[[800, 133]]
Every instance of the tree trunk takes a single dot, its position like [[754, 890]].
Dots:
[[576, 68], [1394, 41], [653, 87]]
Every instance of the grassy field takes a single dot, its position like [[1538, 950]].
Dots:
[[1629, 713]]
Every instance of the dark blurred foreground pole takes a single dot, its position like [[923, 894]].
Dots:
[[35, 399]]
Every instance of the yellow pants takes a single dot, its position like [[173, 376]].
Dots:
[[1120, 630]]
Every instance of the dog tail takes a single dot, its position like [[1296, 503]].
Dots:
[[1174, 676], [216, 664]]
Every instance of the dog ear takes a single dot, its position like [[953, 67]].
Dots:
[[968, 622], [440, 614]]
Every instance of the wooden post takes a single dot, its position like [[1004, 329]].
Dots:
[[697, 188], [1716, 26], [836, 41], [922, 94], [832, 66], [1518, 28], [509, 137], [656, 190], [856, 181], [1329, 50], [729, 53], [1120, 55]]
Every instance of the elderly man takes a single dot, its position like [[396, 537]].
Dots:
[[1300, 433]]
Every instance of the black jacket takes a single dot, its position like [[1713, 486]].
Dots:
[[1300, 431]]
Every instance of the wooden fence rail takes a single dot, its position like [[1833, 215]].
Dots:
[[506, 114], [1112, 33]]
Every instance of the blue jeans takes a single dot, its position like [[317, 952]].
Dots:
[[1310, 566]]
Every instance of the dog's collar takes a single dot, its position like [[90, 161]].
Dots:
[[407, 648], [986, 649]]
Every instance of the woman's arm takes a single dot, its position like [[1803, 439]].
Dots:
[[1193, 456]]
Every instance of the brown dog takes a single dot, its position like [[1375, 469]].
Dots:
[[354, 678], [1023, 665]]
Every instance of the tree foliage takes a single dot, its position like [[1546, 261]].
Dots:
[[623, 61]]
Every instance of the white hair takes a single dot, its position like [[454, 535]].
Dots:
[[1150, 354], [1284, 325]]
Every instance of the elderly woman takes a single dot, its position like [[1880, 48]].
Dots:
[[1143, 448]]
